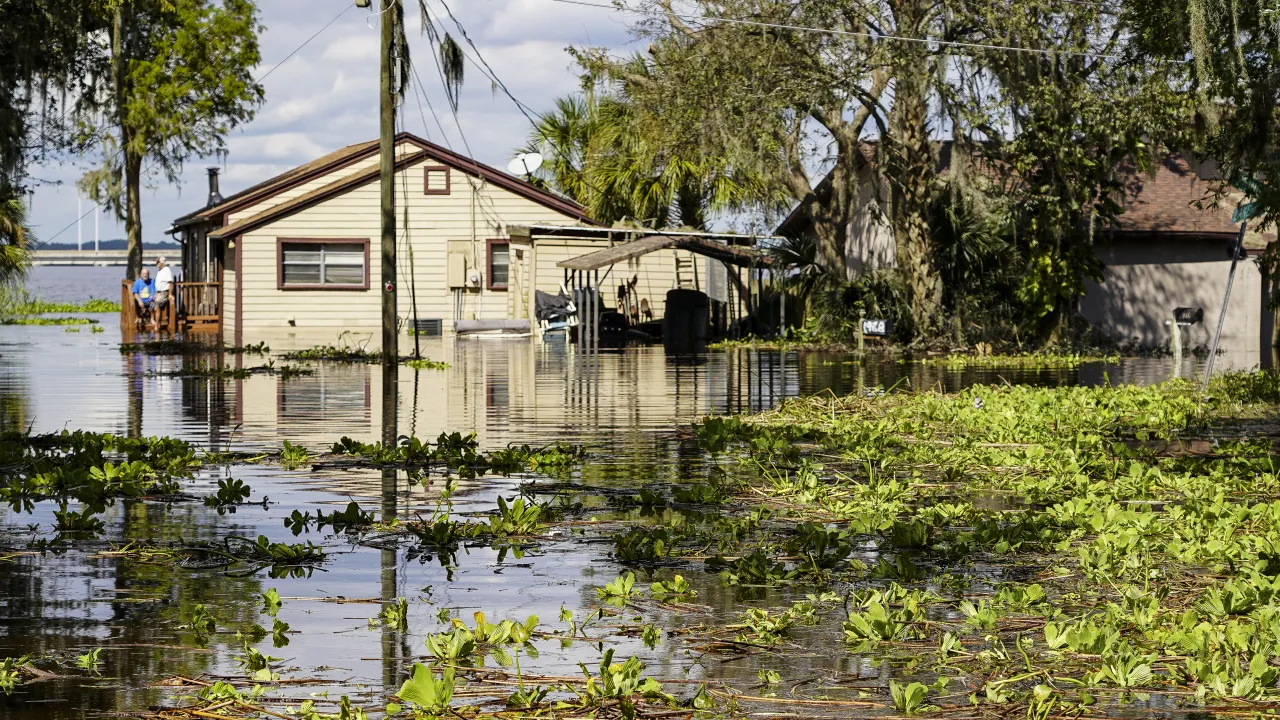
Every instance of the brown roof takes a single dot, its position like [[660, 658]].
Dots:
[[1173, 200], [281, 182], [354, 153], [1166, 201], [289, 207]]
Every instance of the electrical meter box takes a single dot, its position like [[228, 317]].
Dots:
[[457, 263]]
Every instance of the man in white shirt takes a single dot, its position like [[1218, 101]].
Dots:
[[162, 303]]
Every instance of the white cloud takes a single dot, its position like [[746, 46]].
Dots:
[[325, 96]]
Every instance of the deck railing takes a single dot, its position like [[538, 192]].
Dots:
[[195, 306]]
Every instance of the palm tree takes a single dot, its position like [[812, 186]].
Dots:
[[14, 236], [602, 153]]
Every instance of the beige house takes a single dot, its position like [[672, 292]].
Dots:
[[1169, 249], [301, 250]]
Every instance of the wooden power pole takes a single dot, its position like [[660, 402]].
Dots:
[[387, 171]]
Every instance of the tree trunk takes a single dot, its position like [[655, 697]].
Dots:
[[831, 233], [133, 206], [132, 157], [911, 169]]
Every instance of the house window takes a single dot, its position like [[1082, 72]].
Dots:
[[435, 180], [499, 263], [323, 264]]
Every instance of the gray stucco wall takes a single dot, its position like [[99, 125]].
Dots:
[[1146, 279]]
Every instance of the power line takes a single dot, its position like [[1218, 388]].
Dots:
[[491, 74], [153, 165], [846, 33]]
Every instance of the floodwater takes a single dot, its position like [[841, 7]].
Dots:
[[626, 409]]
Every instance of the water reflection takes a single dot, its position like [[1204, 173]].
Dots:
[[505, 391], [623, 405]]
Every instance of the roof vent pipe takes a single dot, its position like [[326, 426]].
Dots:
[[215, 197]]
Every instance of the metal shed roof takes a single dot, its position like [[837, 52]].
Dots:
[[702, 245]]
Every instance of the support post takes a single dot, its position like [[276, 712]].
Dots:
[[386, 173], [1222, 314], [1175, 344], [858, 331]]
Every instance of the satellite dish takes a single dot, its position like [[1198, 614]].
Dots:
[[525, 164]]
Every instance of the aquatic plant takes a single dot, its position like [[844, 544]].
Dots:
[[425, 692], [12, 670], [673, 589], [349, 520], [90, 661], [619, 683], [425, 364], [36, 306], [231, 492], [293, 456], [516, 517], [1034, 361], [48, 321], [908, 699], [618, 591]]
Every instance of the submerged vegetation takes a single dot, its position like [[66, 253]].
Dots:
[[48, 321], [1040, 547], [1000, 551]]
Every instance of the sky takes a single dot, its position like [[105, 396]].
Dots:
[[326, 96]]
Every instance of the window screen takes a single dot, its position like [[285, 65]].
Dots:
[[323, 263], [499, 264]]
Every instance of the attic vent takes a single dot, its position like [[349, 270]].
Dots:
[[435, 180], [428, 327]]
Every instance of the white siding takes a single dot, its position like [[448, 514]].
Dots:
[[472, 213]]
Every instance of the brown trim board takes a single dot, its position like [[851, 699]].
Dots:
[[488, 264]]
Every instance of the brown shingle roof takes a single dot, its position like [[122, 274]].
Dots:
[[267, 188], [1166, 201], [354, 153], [289, 207], [1174, 200]]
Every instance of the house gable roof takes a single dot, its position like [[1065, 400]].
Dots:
[[1173, 200], [355, 153], [350, 182]]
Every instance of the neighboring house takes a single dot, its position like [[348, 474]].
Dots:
[[1169, 249], [303, 248]]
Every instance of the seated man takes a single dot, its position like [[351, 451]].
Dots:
[[144, 292]]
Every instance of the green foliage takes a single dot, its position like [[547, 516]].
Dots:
[[257, 665], [178, 78], [11, 671], [673, 589], [293, 456], [271, 602], [515, 518], [351, 519], [396, 616], [231, 492], [619, 591], [908, 699], [461, 643], [425, 691], [202, 623], [89, 661], [617, 683]]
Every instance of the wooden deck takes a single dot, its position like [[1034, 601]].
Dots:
[[195, 307]]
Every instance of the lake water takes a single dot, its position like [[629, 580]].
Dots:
[[57, 283], [631, 411]]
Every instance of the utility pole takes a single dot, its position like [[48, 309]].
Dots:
[[390, 335]]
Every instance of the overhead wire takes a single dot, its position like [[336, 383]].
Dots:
[[116, 193]]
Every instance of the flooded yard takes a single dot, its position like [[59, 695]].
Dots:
[[161, 601]]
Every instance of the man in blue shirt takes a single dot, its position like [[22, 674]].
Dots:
[[144, 291]]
